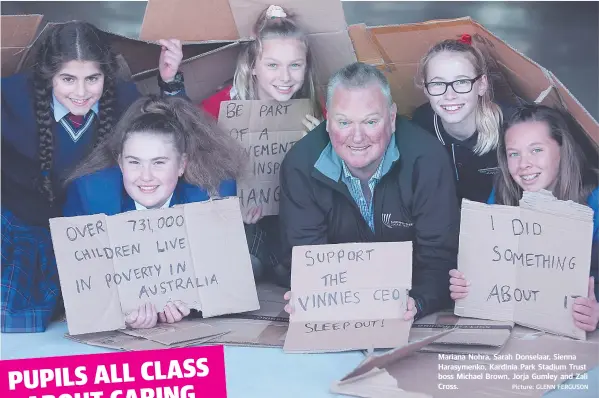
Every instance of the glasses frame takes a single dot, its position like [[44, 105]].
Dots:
[[472, 81]]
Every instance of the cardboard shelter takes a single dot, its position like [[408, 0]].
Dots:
[[397, 49], [212, 32]]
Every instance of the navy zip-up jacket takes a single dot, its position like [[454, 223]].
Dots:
[[414, 201]]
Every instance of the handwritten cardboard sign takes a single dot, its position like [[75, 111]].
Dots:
[[267, 130], [349, 296], [111, 265], [526, 264]]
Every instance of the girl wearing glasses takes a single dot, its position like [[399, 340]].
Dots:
[[461, 113]]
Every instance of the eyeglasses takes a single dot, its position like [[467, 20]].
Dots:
[[462, 86]]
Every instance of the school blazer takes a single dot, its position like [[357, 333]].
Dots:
[[103, 192]]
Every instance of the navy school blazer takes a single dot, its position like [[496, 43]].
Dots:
[[103, 192]]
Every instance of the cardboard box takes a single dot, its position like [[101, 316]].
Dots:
[[397, 49]]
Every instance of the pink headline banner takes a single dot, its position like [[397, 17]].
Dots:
[[197, 372]]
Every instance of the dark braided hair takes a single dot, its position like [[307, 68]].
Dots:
[[71, 41]]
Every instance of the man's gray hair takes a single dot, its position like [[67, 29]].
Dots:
[[358, 75]]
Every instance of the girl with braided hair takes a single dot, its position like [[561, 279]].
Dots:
[[52, 117]]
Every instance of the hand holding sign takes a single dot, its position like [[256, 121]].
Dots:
[[252, 215], [170, 59], [310, 122], [174, 312], [143, 318], [585, 310], [458, 285]]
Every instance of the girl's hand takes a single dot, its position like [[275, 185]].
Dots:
[[144, 317], [585, 310], [174, 312], [457, 285], [253, 215], [311, 123], [170, 59]]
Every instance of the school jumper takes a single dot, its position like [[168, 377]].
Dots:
[[30, 285], [104, 192], [413, 200], [593, 203], [474, 174]]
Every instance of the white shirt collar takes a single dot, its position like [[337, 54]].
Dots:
[[61, 111], [164, 206]]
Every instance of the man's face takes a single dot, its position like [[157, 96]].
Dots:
[[360, 123]]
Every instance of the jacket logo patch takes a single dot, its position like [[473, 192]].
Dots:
[[387, 222], [489, 170]]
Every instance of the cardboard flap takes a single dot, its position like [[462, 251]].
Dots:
[[381, 361], [188, 20], [515, 77], [222, 20], [18, 33], [19, 30]]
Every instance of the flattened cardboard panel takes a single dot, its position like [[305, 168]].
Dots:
[[83, 255], [468, 331], [19, 30], [583, 117], [188, 20], [331, 52], [364, 47], [313, 16], [404, 91], [226, 273], [415, 45]]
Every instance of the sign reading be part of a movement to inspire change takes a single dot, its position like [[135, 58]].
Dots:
[[266, 130], [349, 296], [526, 264], [111, 265]]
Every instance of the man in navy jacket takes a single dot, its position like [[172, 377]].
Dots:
[[369, 175]]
